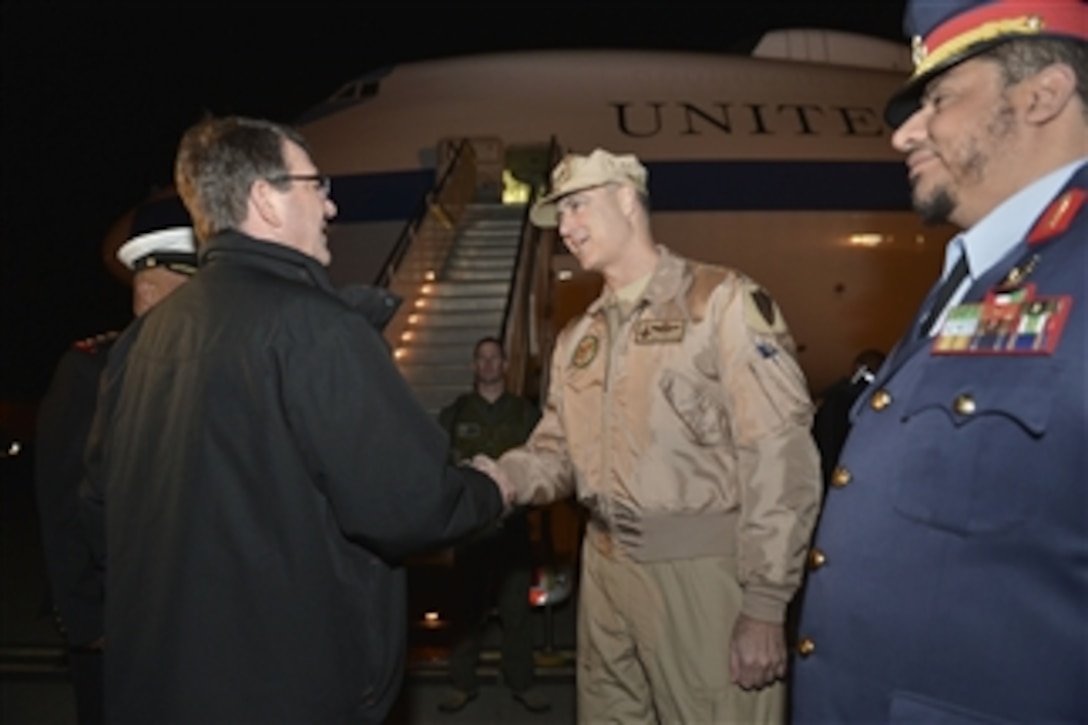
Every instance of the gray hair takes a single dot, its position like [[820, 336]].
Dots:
[[1024, 57], [219, 159]]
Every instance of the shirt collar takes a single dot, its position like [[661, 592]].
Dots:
[[664, 284]]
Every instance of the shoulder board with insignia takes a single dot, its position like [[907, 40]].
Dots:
[[95, 344], [1058, 216]]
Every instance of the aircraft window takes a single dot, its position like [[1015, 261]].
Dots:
[[356, 90]]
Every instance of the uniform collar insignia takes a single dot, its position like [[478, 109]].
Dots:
[[1058, 216]]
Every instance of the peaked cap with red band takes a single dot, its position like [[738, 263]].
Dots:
[[947, 32]]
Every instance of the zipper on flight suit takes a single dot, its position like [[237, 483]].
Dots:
[[616, 328]]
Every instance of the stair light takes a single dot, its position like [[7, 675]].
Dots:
[[406, 336], [413, 319], [868, 239], [432, 620], [421, 302], [399, 353], [429, 276], [425, 289]]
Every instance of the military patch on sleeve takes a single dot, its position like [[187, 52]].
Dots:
[[761, 313], [585, 351]]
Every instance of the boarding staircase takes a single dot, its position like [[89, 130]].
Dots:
[[468, 266], [465, 300]]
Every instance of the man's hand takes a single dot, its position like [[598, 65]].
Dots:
[[757, 654], [488, 466]]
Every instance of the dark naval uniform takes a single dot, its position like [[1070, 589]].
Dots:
[[75, 583], [949, 577], [494, 567]]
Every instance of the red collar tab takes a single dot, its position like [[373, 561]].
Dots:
[[1058, 216]]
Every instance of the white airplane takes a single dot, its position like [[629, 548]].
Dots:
[[778, 164]]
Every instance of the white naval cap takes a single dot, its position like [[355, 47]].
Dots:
[[173, 248]]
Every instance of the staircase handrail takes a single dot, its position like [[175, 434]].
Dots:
[[520, 313], [426, 204]]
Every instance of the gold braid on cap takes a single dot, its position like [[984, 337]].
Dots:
[[924, 60]]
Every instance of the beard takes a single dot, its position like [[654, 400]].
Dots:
[[936, 208]]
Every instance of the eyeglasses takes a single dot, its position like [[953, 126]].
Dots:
[[324, 183]]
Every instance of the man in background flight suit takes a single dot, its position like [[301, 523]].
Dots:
[[494, 567], [951, 580], [678, 415], [161, 261]]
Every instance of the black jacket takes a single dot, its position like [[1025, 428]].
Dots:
[[262, 466]]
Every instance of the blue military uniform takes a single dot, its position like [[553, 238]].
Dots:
[[948, 578], [950, 568], [75, 583]]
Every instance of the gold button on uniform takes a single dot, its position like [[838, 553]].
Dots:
[[881, 399], [805, 647], [840, 477], [964, 405], [816, 559]]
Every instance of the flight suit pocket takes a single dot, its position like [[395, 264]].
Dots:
[[703, 417], [972, 429]]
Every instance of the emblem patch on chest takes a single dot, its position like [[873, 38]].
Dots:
[[654, 332], [585, 351]]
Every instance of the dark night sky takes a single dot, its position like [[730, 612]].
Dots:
[[96, 95]]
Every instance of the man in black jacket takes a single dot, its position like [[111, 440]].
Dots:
[[258, 466]]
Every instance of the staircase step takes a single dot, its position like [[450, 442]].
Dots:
[[491, 224], [495, 214], [462, 303], [467, 289], [437, 353], [487, 245], [481, 263], [457, 318], [469, 273], [481, 245], [446, 335]]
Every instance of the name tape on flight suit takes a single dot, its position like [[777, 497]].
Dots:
[[654, 332]]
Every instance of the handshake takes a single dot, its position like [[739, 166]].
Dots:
[[488, 466]]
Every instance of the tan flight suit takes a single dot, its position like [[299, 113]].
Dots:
[[683, 426]]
